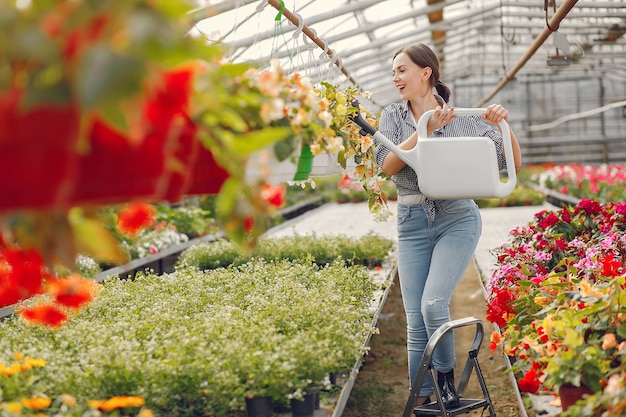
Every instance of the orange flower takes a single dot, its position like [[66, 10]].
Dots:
[[135, 217], [36, 403], [73, 291], [114, 403], [494, 341], [45, 314]]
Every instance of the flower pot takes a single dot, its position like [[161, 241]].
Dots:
[[260, 406], [304, 407], [264, 164], [570, 394], [305, 164]]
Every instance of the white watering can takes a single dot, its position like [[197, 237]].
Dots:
[[450, 168]]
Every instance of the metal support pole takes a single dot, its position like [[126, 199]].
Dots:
[[556, 19], [319, 42]]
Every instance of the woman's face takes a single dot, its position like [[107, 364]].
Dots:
[[410, 79]]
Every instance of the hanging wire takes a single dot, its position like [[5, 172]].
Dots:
[[296, 35], [279, 33], [505, 41], [259, 9], [545, 7]]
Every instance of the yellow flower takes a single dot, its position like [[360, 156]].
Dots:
[[587, 289], [542, 300], [36, 403], [145, 413], [68, 400], [33, 362], [335, 145], [12, 407], [12, 370]]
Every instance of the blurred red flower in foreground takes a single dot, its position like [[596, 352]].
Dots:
[[136, 216], [22, 273], [73, 291], [274, 194], [47, 314]]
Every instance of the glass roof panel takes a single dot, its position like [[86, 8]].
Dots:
[[481, 40]]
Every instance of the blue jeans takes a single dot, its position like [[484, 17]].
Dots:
[[432, 258]]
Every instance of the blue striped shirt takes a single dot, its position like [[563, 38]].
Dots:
[[397, 124]]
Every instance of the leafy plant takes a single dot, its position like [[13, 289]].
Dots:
[[195, 342], [558, 297], [370, 250]]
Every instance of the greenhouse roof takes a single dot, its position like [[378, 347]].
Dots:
[[488, 42]]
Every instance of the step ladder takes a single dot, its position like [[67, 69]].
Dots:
[[437, 408]]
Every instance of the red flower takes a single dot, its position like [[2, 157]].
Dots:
[[135, 217], [530, 382], [22, 273], [73, 291], [248, 224], [610, 265], [274, 194], [44, 314], [549, 220], [500, 306]]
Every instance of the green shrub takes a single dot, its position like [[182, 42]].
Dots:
[[195, 343], [370, 250]]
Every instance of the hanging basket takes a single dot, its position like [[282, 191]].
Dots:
[[37, 153], [116, 170]]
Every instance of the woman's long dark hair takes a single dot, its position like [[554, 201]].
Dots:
[[424, 57]]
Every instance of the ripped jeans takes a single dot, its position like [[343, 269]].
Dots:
[[432, 258]]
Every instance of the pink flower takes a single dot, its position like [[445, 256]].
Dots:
[[609, 341]]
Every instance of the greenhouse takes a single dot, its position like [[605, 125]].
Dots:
[[313, 208]]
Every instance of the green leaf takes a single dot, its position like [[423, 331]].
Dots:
[[284, 149], [94, 238], [225, 202], [251, 142], [233, 120]]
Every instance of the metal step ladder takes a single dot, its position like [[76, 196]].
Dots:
[[438, 408]]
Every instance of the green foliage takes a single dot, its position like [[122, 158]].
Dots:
[[522, 195], [370, 250], [191, 220], [195, 343]]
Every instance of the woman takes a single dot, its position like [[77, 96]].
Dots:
[[436, 239]]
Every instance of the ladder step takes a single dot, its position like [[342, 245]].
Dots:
[[465, 405]]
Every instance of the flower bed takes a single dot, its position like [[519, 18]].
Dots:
[[602, 182], [196, 342], [370, 250], [558, 297]]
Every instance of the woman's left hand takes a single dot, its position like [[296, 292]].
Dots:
[[495, 113]]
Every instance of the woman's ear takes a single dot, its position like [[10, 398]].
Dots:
[[427, 73]]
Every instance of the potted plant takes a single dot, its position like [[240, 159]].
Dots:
[[558, 298]]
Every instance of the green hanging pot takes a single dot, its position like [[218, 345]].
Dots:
[[305, 164]]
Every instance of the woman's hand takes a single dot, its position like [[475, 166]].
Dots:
[[441, 116], [495, 113]]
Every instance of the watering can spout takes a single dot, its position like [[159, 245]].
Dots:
[[408, 156]]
